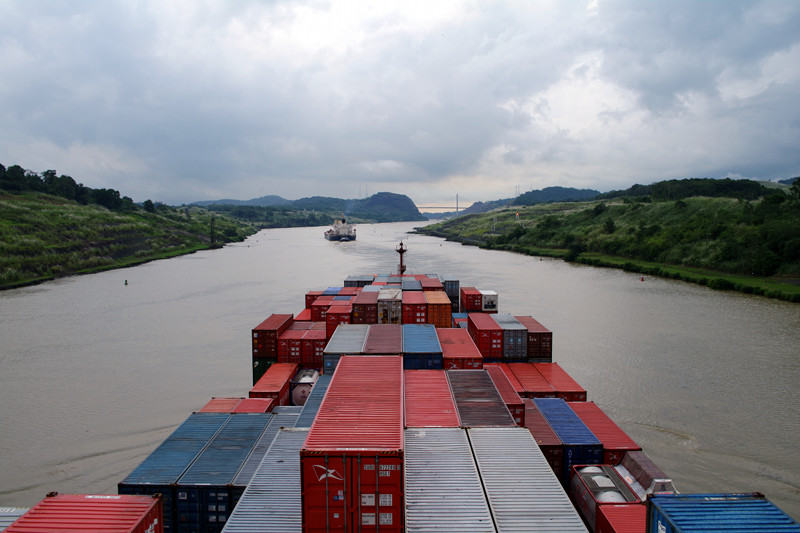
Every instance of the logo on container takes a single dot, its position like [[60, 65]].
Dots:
[[321, 472]]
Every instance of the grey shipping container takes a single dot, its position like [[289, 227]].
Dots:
[[390, 306], [9, 515], [272, 501], [452, 287], [348, 339], [358, 281], [411, 285], [314, 400], [443, 490], [515, 337], [523, 493], [282, 416]]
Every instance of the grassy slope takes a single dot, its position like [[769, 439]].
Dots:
[[43, 237], [719, 242]]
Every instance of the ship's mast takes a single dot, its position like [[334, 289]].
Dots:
[[401, 249]]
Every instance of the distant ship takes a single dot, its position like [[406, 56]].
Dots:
[[341, 231]]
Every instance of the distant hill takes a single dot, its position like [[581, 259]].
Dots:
[[688, 188], [260, 201], [555, 194]]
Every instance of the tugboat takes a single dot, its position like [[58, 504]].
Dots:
[[341, 231]]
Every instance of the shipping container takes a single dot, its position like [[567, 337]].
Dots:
[[431, 284], [290, 345], [265, 335], [337, 315], [477, 400], [301, 385], [428, 401], [511, 377], [489, 301], [390, 306], [319, 309], [313, 401], [109, 513], [260, 366], [205, 494], [523, 493], [411, 285], [551, 446], [443, 490], [510, 397], [311, 297], [690, 513], [384, 339], [421, 348], [615, 441], [298, 325], [533, 383], [630, 518], [540, 340], [220, 405], [254, 405], [159, 472], [643, 475], [275, 383], [312, 348], [458, 319], [365, 307], [349, 291], [452, 287], [415, 307], [565, 387], [331, 291], [471, 300], [488, 336], [359, 280], [439, 309], [282, 417], [458, 350], [352, 460], [271, 503], [346, 340], [580, 444], [596, 486], [515, 338], [8, 515]]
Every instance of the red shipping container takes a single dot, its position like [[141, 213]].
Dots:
[[624, 518], [303, 316], [428, 400], [349, 291], [337, 314], [384, 339], [431, 284], [511, 377], [507, 392], [312, 348], [265, 336], [551, 446], [220, 405], [533, 383], [300, 326], [471, 300], [365, 308], [275, 383], [311, 297], [440, 310], [109, 513], [540, 339], [289, 345], [459, 350], [254, 405], [565, 387], [487, 334], [319, 309], [351, 464], [615, 441], [415, 308]]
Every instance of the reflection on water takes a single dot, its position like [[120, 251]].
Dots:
[[97, 373]]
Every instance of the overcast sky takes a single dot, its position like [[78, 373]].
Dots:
[[186, 100]]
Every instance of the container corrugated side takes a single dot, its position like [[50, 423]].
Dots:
[[109, 513], [540, 340], [281, 418], [421, 348], [365, 307], [8, 515], [507, 392], [523, 493], [205, 494], [428, 400], [615, 441], [458, 349], [314, 400], [545, 437], [443, 488], [515, 337], [272, 502], [415, 307], [629, 518], [532, 381], [439, 309], [488, 336], [384, 339], [565, 386], [477, 400], [690, 513]]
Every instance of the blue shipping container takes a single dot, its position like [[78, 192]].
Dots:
[[581, 447], [421, 348], [691, 513], [331, 291]]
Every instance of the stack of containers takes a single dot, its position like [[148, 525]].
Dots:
[[477, 400], [336, 315], [615, 441], [384, 339], [565, 387], [352, 460], [346, 340], [488, 336], [311, 297], [290, 345], [205, 493], [458, 350], [580, 445], [415, 308], [265, 342], [489, 301], [551, 446], [592, 487], [428, 400], [452, 289], [365, 307], [533, 383], [91, 512], [312, 347], [515, 337], [319, 309], [439, 309], [460, 320], [438, 465], [276, 383], [510, 397], [471, 300], [540, 340], [522, 491], [421, 348], [390, 306]]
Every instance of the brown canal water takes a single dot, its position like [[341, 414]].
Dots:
[[94, 373]]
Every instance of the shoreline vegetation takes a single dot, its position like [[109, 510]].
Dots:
[[749, 246]]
